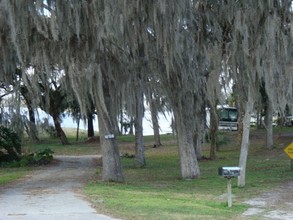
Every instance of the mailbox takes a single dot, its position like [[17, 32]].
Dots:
[[229, 172]]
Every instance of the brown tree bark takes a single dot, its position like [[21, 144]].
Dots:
[[155, 122], [213, 132], [90, 125], [184, 116], [60, 133], [33, 133], [139, 140], [245, 140], [269, 124], [112, 168]]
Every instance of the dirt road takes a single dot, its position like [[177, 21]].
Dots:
[[53, 192], [276, 204]]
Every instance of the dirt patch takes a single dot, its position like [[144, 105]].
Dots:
[[276, 204]]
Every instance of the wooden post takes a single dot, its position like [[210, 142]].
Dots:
[[229, 192]]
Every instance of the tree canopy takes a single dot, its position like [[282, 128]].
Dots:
[[106, 47]]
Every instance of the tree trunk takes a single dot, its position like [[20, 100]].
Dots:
[[188, 160], [199, 133], [60, 133], [90, 125], [139, 141], [258, 120], [112, 168], [155, 122], [116, 124], [77, 129], [131, 126], [245, 141], [33, 134], [197, 141], [269, 124], [213, 132], [240, 123], [184, 120]]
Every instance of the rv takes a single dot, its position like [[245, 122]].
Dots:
[[227, 118]]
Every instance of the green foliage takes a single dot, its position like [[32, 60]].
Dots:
[[10, 145], [39, 158], [42, 157]]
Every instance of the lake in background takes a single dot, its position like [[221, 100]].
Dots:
[[68, 122]]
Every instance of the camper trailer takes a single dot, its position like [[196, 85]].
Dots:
[[228, 118]]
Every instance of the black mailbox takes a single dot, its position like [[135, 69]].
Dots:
[[229, 172]]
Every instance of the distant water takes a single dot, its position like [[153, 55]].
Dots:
[[68, 122]]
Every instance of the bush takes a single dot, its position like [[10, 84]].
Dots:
[[10, 145], [36, 159], [44, 157]]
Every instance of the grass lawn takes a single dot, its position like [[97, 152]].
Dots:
[[8, 175], [158, 192]]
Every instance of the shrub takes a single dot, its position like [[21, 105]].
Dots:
[[44, 157], [10, 145], [39, 158], [34, 159]]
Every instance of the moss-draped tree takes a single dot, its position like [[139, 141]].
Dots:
[[99, 44]]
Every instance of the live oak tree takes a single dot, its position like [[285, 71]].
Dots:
[[258, 49], [51, 35], [33, 134], [99, 44]]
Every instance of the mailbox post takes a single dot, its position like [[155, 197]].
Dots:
[[229, 192], [229, 173]]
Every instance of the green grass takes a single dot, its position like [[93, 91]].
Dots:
[[158, 192], [75, 148], [8, 175], [153, 202], [79, 147]]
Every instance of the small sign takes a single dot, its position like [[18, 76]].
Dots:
[[109, 136], [289, 150]]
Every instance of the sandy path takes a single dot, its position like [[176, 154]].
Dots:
[[54, 192], [276, 204]]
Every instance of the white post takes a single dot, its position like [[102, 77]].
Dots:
[[229, 192]]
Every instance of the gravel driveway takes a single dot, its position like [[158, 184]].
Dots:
[[53, 192], [276, 204]]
